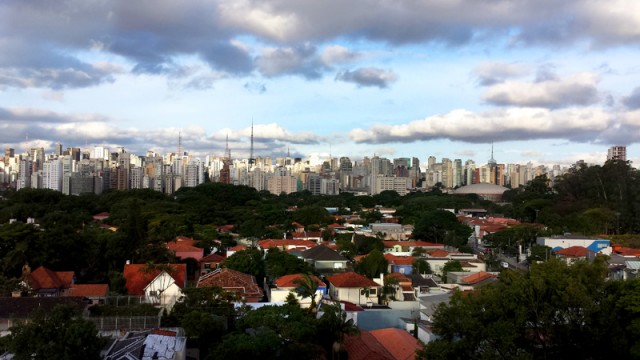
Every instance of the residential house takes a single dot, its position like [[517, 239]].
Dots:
[[285, 244], [388, 343], [315, 236], [575, 253], [44, 282], [353, 287], [210, 263], [244, 285], [183, 248], [469, 281], [235, 249], [324, 259], [597, 245], [399, 264], [95, 293], [158, 284], [288, 284], [402, 287], [423, 285], [439, 257], [404, 248]]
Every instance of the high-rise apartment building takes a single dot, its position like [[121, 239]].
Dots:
[[617, 153]]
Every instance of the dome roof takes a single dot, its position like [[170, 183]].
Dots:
[[481, 189]]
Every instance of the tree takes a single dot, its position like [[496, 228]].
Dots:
[[334, 326], [249, 262], [555, 311], [280, 263], [450, 266], [306, 287], [372, 265], [60, 334], [421, 266], [441, 226]]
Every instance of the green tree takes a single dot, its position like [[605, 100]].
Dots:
[[372, 265], [421, 266], [280, 263], [306, 287], [441, 226], [248, 261], [450, 266], [59, 334]]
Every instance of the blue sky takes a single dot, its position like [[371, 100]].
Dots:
[[547, 82]]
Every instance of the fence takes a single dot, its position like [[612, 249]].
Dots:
[[125, 323]]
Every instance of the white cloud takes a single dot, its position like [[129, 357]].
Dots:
[[579, 89]]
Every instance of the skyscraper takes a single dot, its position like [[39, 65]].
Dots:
[[617, 153]]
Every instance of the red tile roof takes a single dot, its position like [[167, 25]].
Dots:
[[401, 277], [438, 253], [183, 244], [137, 279], [351, 280], [365, 346], [399, 343], [573, 252], [212, 258], [43, 278], [233, 281], [237, 248], [625, 251], [307, 234], [164, 332], [399, 260], [289, 281], [477, 278], [88, 290]]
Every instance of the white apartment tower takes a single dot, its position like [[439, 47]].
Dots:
[[617, 153]]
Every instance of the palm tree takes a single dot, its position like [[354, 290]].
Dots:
[[306, 288], [338, 326]]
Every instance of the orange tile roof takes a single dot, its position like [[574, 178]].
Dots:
[[137, 279], [573, 252], [438, 253], [399, 260], [243, 284], [307, 234], [217, 258], [89, 290], [237, 248], [164, 332], [401, 277], [43, 278], [625, 251], [351, 280], [399, 343], [365, 346], [289, 281], [477, 278], [183, 244]]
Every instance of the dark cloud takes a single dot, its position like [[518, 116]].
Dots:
[[368, 77], [494, 72], [300, 60], [633, 100]]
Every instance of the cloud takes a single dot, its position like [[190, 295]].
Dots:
[[368, 77], [579, 89], [300, 60], [337, 54], [575, 124], [493, 72], [633, 100]]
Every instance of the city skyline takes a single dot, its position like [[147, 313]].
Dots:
[[545, 82]]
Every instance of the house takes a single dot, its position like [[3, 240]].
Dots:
[[403, 289], [101, 216], [423, 285], [95, 293], [353, 287], [244, 285], [288, 284], [14, 310], [158, 284], [596, 245], [404, 248], [324, 259], [210, 263], [285, 244], [575, 253], [235, 249], [315, 236], [399, 264], [469, 281], [183, 247], [169, 344], [44, 282], [388, 343]]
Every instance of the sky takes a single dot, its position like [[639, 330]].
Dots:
[[546, 81]]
